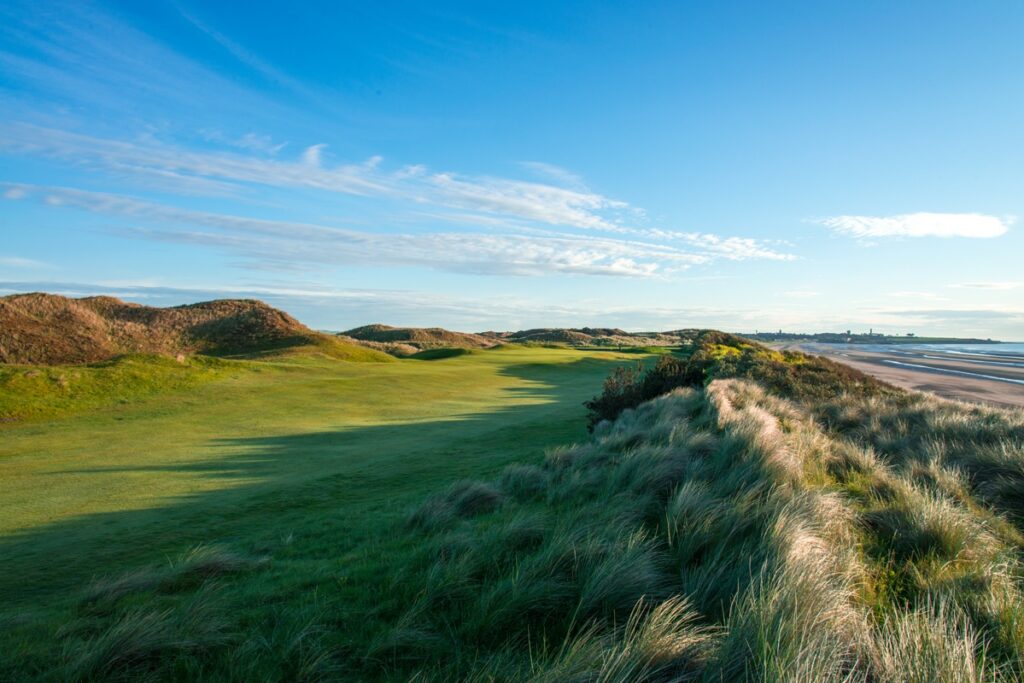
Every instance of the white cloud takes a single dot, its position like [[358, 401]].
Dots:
[[493, 199], [530, 201], [554, 226], [974, 225], [18, 262], [556, 174], [250, 141], [147, 157], [731, 248], [801, 294], [311, 157], [988, 285], [929, 296], [547, 204], [286, 243]]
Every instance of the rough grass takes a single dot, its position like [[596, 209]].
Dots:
[[732, 511], [48, 329]]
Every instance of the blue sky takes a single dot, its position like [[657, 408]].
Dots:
[[477, 165]]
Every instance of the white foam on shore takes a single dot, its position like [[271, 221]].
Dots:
[[978, 361], [977, 375]]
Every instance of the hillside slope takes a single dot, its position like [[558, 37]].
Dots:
[[422, 337], [48, 329], [721, 532], [592, 336]]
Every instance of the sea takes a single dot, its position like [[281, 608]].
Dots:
[[1000, 349]]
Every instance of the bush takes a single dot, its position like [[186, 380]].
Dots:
[[718, 355], [629, 387]]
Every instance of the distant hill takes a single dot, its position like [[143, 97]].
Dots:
[[592, 336], [407, 341], [418, 338], [860, 338], [48, 329]]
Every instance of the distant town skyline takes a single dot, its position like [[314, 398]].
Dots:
[[648, 166]]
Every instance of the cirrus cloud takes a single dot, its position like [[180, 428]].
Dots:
[[285, 244], [922, 224], [998, 286]]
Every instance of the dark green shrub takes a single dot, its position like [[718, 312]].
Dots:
[[629, 387], [718, 355]]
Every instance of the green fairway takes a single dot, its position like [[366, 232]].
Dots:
[[305, 461]]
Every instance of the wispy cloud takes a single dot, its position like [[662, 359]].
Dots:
[[928, 296], [556, 174], [988, 285], [956, 316], [500, 199], [250, 141], [974, 225], [282, 243], [240, 53], [19, 262], [150, 157], [730, 248], [518, 199]]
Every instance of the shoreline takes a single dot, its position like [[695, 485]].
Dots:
[[976, 377]]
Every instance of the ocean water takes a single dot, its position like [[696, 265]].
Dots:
[[998, 362], [1007, 349]]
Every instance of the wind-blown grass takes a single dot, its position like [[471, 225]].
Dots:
[[784, 553]]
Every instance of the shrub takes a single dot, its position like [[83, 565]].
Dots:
[[717, 355]]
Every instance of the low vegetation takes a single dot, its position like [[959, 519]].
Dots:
[[736, 513]]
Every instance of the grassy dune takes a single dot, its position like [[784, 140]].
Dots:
[[726, 534], [745, 515]]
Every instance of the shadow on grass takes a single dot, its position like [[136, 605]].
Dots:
[[273, 487]]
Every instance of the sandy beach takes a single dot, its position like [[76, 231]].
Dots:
[[982, 376]]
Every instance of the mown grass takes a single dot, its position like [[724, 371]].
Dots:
[[45, 392], [34, 393], [300, 463]]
